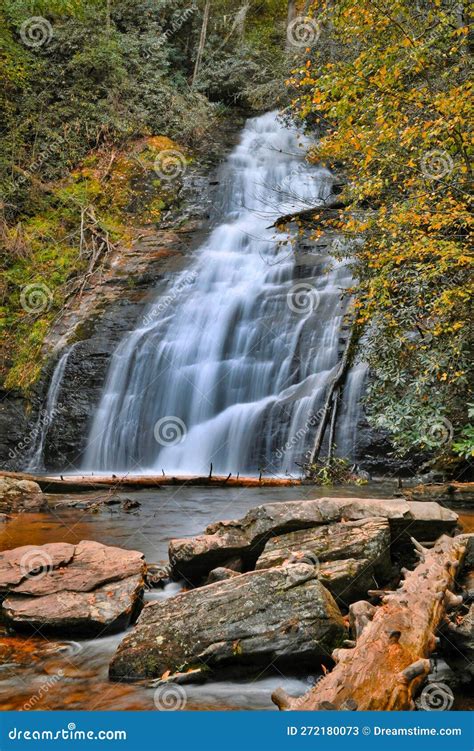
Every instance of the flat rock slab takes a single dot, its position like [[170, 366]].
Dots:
[[368, 538], [282, 615], [193, 558], [82, 589], [107, 609], [351, 557]]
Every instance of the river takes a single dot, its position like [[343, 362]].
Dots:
[[46, 674]]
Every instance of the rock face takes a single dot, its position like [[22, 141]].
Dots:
[[351, 557], [192, 559], [16, 494], [368, 538], [282, 615], [77, 590], [347, 580]]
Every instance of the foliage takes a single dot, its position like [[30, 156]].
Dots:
[[465, 445], [106, 77], [388, 91], [334, 471], [53, 250]]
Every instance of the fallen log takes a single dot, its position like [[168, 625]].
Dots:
[[391, 657], [78, 483]]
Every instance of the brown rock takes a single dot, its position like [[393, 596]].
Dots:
[[17, 494], [367, 539], [106, 609], [82, 589], [193, 558]]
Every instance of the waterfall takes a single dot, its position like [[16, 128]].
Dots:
[[231, 366], [47, 414]]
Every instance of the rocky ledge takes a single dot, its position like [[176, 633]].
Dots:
[[246, 538], [273, 588], [86, 589]]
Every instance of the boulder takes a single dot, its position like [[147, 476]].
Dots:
[[351, 557], [454, 493], [220, 574], [365, 539], [19, 495], [192, 558], [78, 590], [347, 580], [104, 610], [282, 615]]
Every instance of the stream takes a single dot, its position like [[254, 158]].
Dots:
[[48, 674]]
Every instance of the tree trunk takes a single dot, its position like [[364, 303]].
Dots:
[[291, 15], [330, 395], [202, 41], [390, 660]]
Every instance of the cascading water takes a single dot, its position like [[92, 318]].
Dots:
[[232, 365], [47, 415]]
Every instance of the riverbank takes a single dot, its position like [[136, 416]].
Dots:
[[171, 512]]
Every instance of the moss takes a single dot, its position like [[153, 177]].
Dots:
[[113, 192]]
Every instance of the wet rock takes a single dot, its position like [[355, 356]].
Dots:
[[282, 615], [83, 589], [104, 610], [19, 495], [454, 493], [220, 574], [193, 558], [157, 575], [367, 539], [130, 504], [347, 580]]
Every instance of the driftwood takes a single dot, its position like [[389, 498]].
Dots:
[[75, 483], [391, 657]]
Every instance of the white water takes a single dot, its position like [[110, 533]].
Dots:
[[232, 365], [47, 415]]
